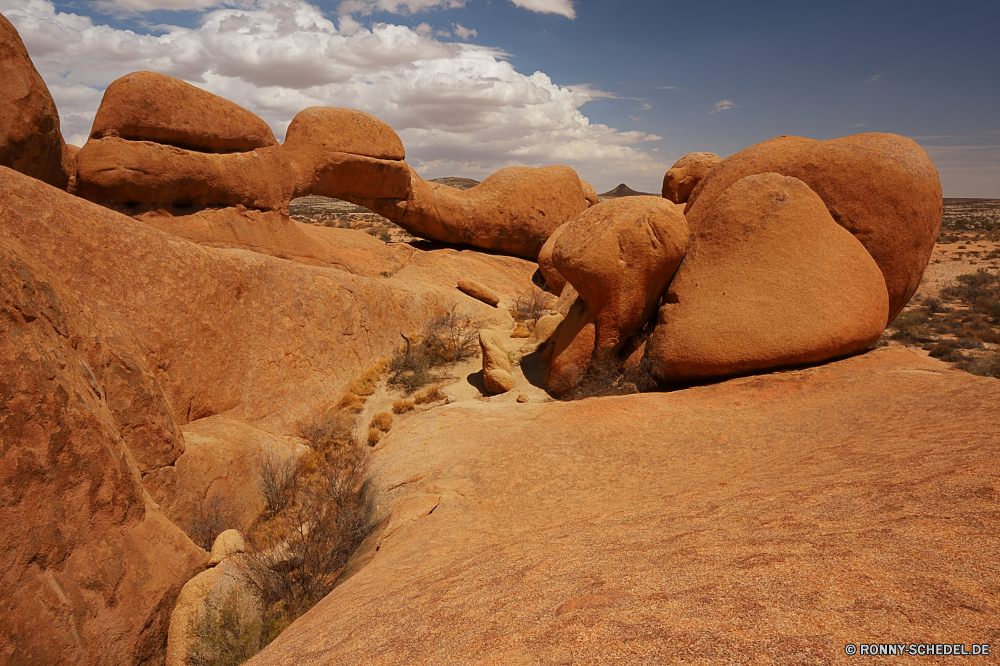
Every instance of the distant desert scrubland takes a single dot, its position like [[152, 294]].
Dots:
[[291, 403]]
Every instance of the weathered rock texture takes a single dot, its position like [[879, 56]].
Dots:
[[90, 568], [497, 375], [681, 179], [553, 279], [881, 187], [619, 256], [771, 518], [770, 281], [513, 211], [322, 129], [30, 140], [146, 106]]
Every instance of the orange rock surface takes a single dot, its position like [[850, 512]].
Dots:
[[881, 187], [681, 179], [146, 106], [773, 518], [30, 140], [770, 281]]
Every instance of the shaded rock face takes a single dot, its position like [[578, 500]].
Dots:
[[619, 256], [90, 569], [754, 514], [30, 140], [881, 187], [514, 211], [681, 179], [770, 281], [145, 106]]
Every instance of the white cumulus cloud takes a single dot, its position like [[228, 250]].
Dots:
[[564, 7], [723, 105], [460, 109], [464, 32]]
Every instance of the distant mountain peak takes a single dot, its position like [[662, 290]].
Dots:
[[624, 190]]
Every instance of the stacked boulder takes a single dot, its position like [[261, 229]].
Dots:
[[800, 251]]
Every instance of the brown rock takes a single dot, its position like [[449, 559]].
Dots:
[[186, 610], [496, 366], [90, 570], [523, 398], [479, 291], [702, 515], [685, 174], [590, 193], [881, 187], [513, 211], [30, 140], [619, 256], [325, 129], [146, 106], [770, 281], [552, 277], [546, 326]]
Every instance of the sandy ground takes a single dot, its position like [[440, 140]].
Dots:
[[950, 260]]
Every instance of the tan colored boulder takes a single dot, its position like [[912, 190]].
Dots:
[[513, 211], [146, 106], [90, 569], [30, 140], [497, 376], [546, 326], [479, 291], [228, 543], [590, 193], [881, 187], [323, 129], [619, 256], [770, 281], [681, 179], [189, 605], [738, 522]]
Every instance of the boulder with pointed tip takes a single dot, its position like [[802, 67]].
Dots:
[[681, 179]]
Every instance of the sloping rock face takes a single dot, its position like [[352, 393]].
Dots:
[[772, 518], [514, 211], [681, 179], [30, 140], [881, 187], [770, 281], [146, 106], [90, 567]]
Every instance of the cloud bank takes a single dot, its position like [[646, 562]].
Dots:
[[460, 109]]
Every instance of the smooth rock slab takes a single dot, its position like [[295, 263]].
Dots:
[[771, 518]]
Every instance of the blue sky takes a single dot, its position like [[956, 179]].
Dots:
[[617, 90]]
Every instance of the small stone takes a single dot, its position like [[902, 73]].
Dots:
[[520, 331], [479, 291], [523, 397]]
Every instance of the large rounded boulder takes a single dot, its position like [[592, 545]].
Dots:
[[681, 179], [882, 188], [770, 281]]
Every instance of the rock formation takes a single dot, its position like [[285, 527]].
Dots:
[[881, 187], [770, 281], [619, 256], [30, 140], [514, 211], [772, 517], [479, 291], [497, 375], [681, 179]]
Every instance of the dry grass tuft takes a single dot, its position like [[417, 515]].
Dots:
[[382, 421], [366, 384], [374, 436], [430, 394], [402, 406]]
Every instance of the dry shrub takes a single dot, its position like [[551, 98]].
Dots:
[[352, 402], [402, 406], [335, 430], [227, 634], [374, 436], [911, 326], [278, 482], [450, 338], [293, 561], [530, 304], [212, 517], [382, 421], [987, 365], [430, 394], [609, 375]]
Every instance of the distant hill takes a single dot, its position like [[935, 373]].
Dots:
[[624, 190], [456, 182]]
